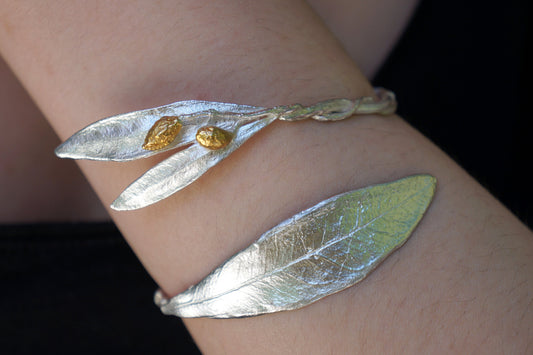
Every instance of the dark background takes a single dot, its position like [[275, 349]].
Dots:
[[460, 76]]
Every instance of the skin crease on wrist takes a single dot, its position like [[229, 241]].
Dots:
[[459, 284]]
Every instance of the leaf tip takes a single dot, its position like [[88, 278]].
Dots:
[[427, 178], [123, 203], [72, 148], [426, 184], [430, 180], [61, 152], [67, 150]]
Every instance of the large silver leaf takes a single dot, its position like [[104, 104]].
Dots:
[[121, 137], [180, 170], [319, 251]]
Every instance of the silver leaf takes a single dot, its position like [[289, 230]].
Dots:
[[121, 137], [180, 170], [317, 252]]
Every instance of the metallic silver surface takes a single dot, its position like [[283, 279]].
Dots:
[[317, 252], [340, 109], [181, 169], [121, 138]]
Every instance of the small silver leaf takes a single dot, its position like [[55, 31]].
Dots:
[[317, 252], [180, 170], [121, 137]]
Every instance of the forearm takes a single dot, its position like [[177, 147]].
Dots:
[[81, 64]]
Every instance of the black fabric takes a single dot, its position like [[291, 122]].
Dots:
[[460, 76], [79, 289]]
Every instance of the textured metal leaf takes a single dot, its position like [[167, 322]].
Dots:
[[181, 169], [319, 251], [121, 137]]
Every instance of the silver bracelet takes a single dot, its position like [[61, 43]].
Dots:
[[317, 252]]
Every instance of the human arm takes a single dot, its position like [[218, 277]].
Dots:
[[466, 266]]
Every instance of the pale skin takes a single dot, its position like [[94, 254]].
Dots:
[[460, 284]]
